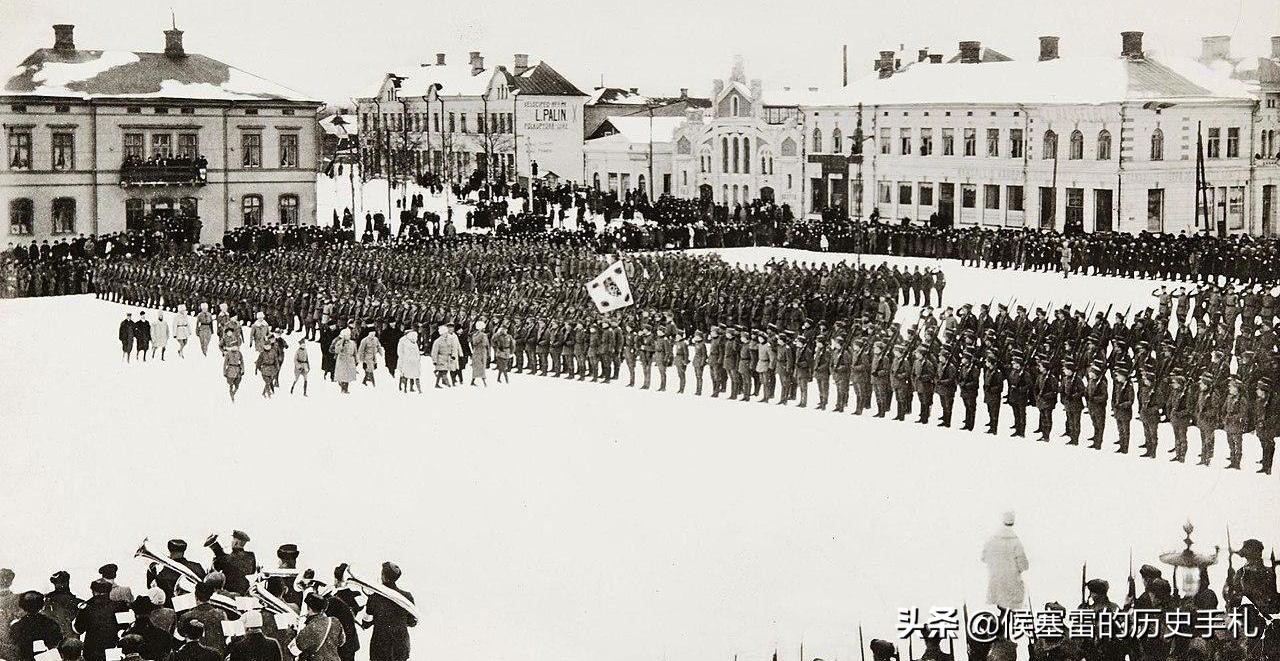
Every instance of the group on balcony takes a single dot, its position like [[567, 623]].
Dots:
[[164, 170]]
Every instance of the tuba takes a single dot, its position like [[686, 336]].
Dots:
[[282, 611], [187, 579], [388, 594]]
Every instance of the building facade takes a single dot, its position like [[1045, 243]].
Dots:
[[746, 147], [1092, 143], [104, 141], [631, 154], [456, 120]]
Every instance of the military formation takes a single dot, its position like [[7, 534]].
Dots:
[[1197, 361], [232, 608]]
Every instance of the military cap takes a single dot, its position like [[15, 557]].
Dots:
[[1251, 546], [108, 570], [60, 577], [287, 550], [1148, 572], [1098, 585], [177, 545]]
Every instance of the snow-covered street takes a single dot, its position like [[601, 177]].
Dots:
[[560, 520]]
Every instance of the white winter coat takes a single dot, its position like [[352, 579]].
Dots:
[[1005, 560]]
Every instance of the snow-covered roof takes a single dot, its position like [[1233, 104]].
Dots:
[[1075, 80], [340, 125], [98, 74], [617, 95], [635, 128], [791, 96], [416, 80]]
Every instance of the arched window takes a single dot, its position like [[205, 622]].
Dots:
[[1157, 145], [22, 217], [770, 165], [788, 147], [764, 164], [64, 215], [733, 103], [595, 181], [725, 198], [251, 210], [746, 155], [1050, 145], [735, 193], [683, 146], [288, 209], [134, 213], [837, 141], [735, 154], [724, 155], [1077, 146], [817, 140], [1104, 145]]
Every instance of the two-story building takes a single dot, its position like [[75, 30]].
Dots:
[[457, 119], [1096, 143], [103, 141]]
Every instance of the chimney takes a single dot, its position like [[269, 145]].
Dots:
[[716, 88], [439, 59], [477, 62], [684, 92], [923, 55], [521, 63], [634, 90], [1275, 47], [1131, 45], [1217, 47], [173, 43], [63, 38], [1048, 48], [884, 66], [935, 58], [970, 52]]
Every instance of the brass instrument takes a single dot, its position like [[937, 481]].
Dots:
[[187, 579], [390, 595]]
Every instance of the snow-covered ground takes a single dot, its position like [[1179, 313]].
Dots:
[[557, 520]]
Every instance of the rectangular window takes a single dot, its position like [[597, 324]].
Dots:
[[991, 196], [886, 147], [1233, 142], [904, 193], [1015, 143], [968, 196], [1155, 209], [133, 146], [926, 142], [453, 127], [463, 119], [1213, 146], [1235, 208], [64, 151], [971, 142], [926, 195], [1075, 208], [480, 123], [1013, 198], [288, 150], [64, 215], [188, 145], [251, 151], [251, 210], [22, 220], [993, 145], [161, 145], [435, 119], [20, 150], [948, 142], [904, 138], [288, 209], [885, 193]]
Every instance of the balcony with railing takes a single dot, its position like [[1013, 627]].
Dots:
[[163, 172]]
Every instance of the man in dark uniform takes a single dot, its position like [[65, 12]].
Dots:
[[946, 386], [923, 373], [969, 376], [881, 369], [1149, 415], [1122, 409], [860, 373], [254, 645], [1266, 420], [60, 604], [1097, 400], [32, 626], [822, 354], [284, 584], [1019, 394], [167, 579], [97, 621], [840, 367], [390, 622], [1046, 399], [1072, 392], [900, 377], [1181, 407], [992, 392], [192, 632], [237, 565]]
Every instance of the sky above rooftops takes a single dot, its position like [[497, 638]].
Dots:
[[333, 50]]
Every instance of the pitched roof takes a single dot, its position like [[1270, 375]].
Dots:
[[987, 55], [636, 128], [97, 74], [616, 95], [1076, 80], [339, 125], [542, 80]]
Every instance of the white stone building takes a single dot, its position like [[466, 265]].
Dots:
[[457, 119], [1099, 143], [71, 118], [632, 153]]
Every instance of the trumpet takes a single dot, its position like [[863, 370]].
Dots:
[[388, 594], [187, 579]]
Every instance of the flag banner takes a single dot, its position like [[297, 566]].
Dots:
[[609, 290]]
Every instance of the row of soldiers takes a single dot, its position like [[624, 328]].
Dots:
[[1213, 374], [190, 612]]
